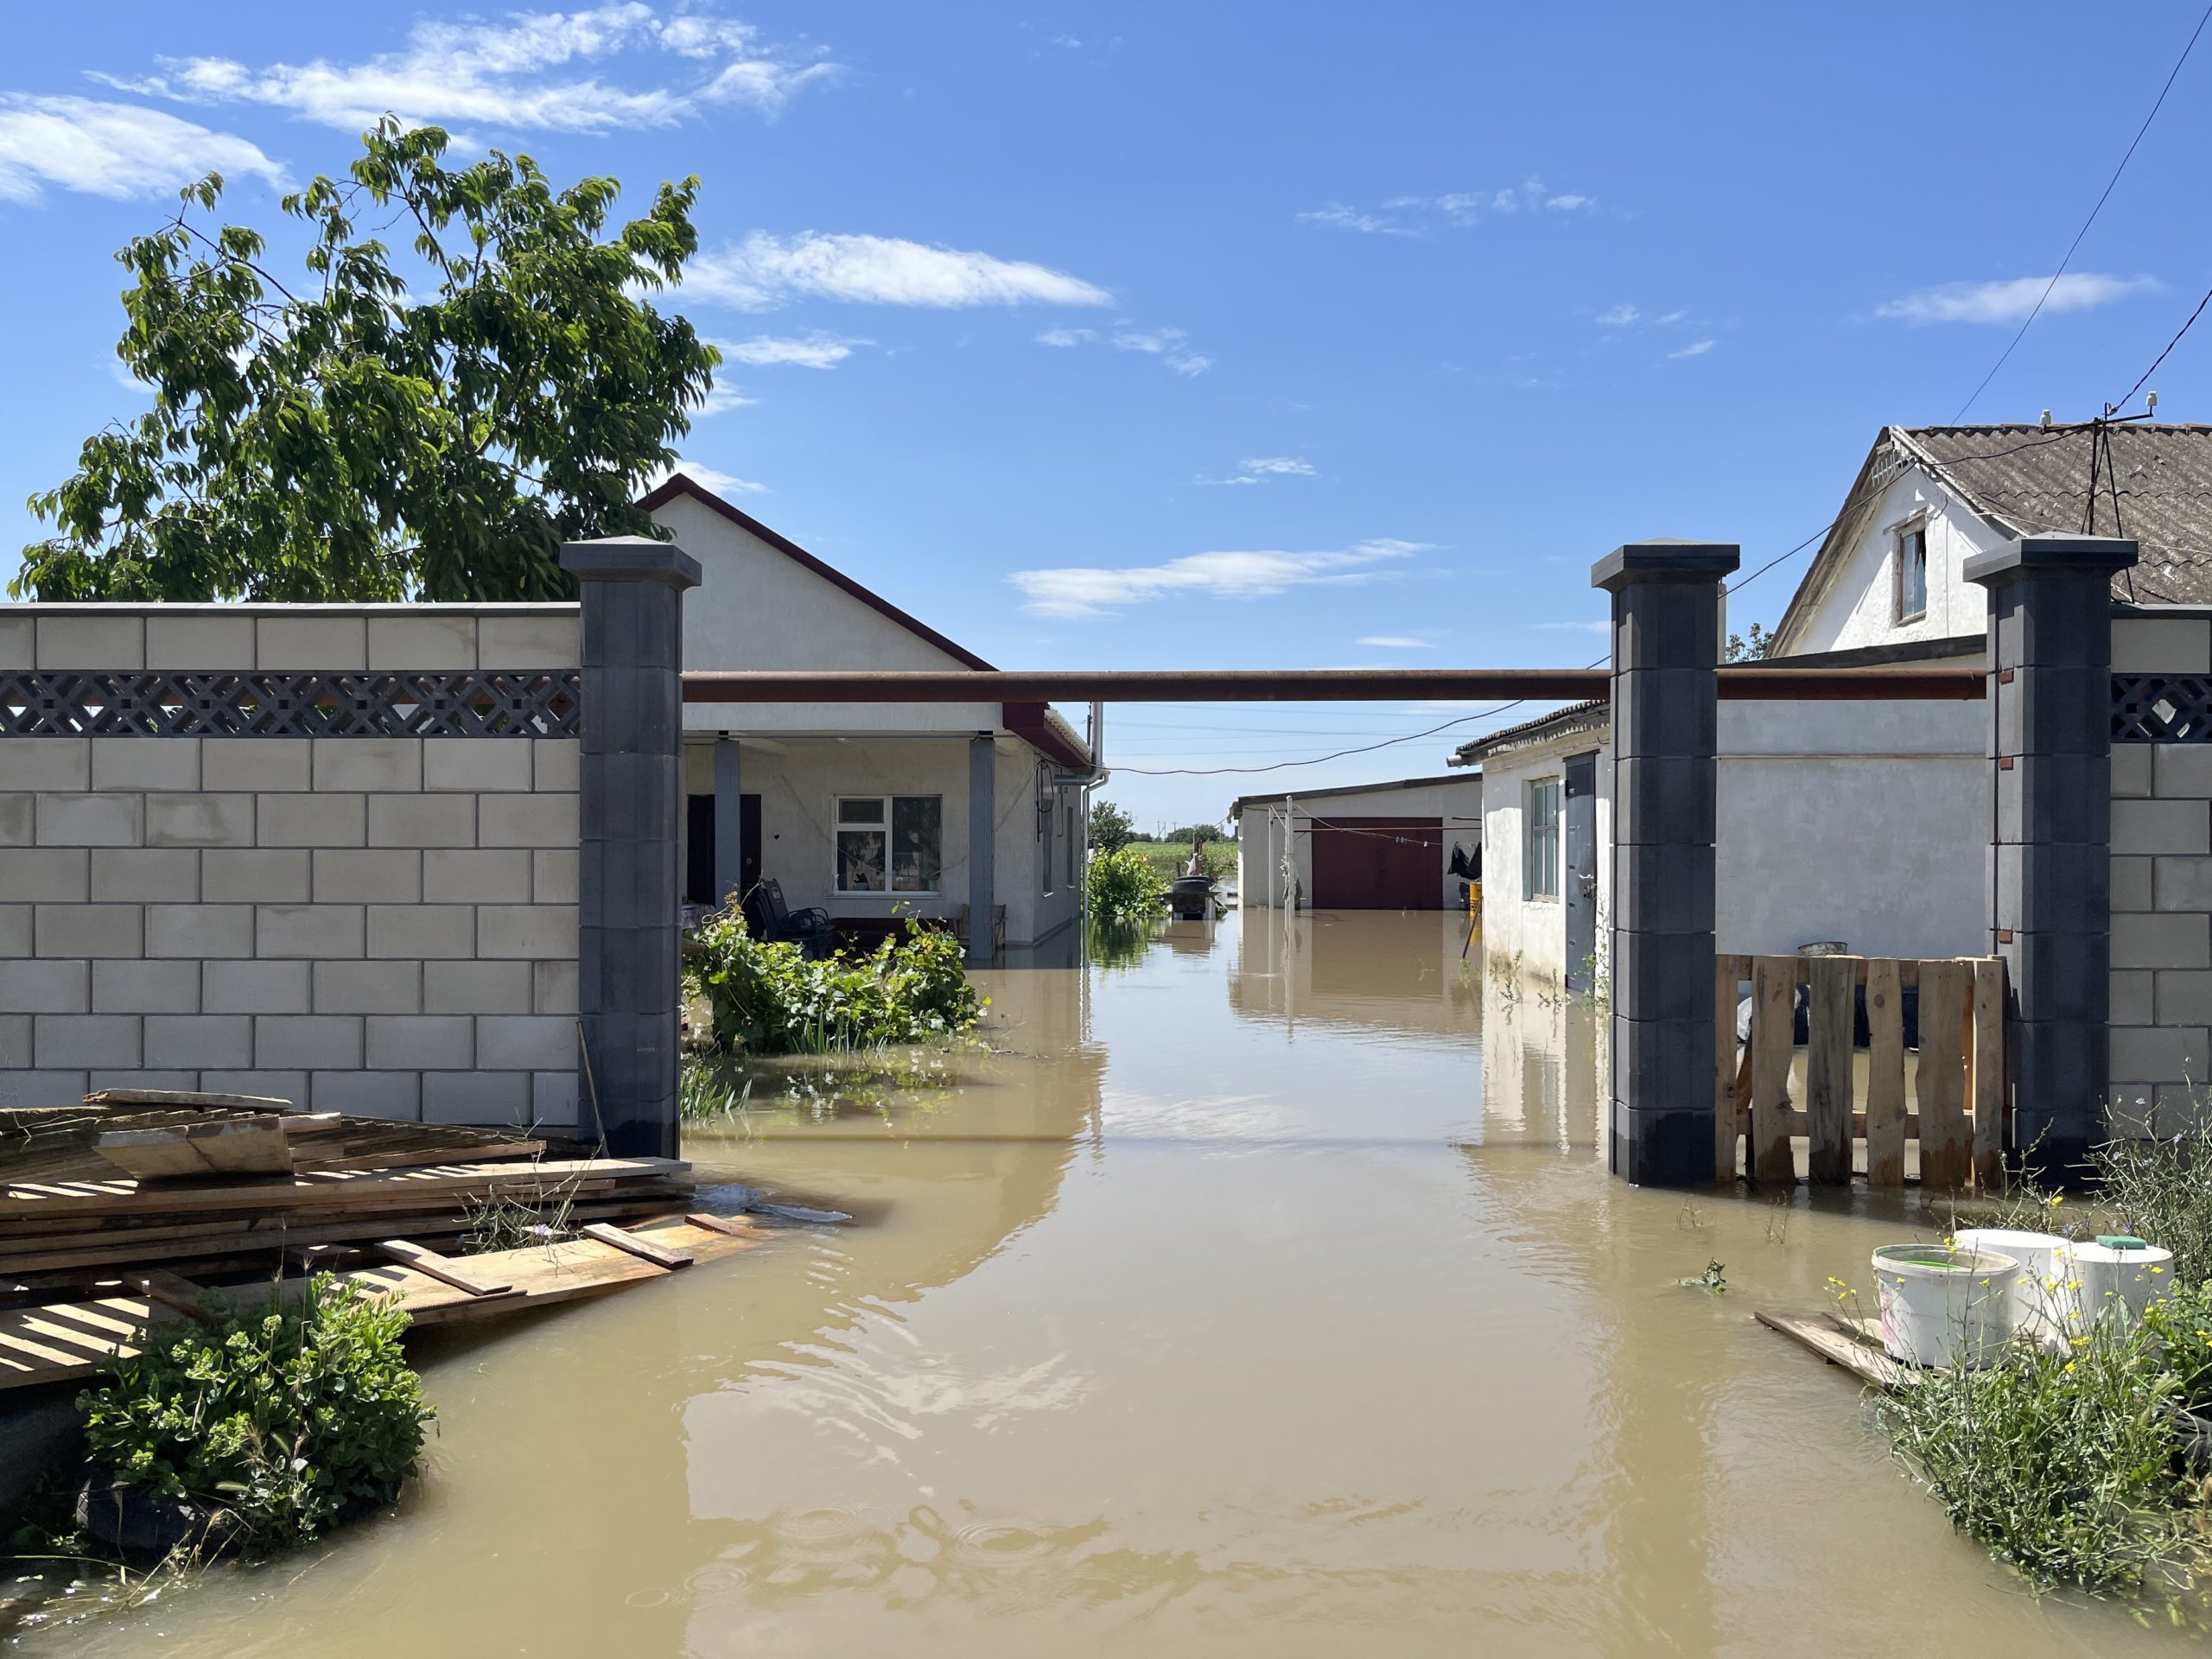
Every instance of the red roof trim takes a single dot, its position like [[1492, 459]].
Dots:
[[1034, 724], [680, 484]]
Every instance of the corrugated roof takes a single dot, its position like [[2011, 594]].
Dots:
[[2157, 489], [1544, 726], [1243, 801]]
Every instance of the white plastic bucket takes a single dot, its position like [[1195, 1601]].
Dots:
[[2109, 1280], [2040, 1300], [1944, 1305]]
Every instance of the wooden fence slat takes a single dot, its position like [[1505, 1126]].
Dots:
[[1986, 1075], [1946, 989], [1773, 981], [1828, 1071], [1885, 1114], [1727, 972]]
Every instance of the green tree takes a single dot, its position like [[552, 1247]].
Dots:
[[1111, 828], [1750, 648], [371, 432]]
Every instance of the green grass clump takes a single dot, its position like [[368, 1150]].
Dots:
[[768, 998], [276, 1423]]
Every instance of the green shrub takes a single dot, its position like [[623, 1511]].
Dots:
[[2062, 1464], [767, 998], [1124, 887], [276, 1420]]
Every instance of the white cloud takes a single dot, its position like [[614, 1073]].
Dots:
[[766, 271], [112, 150], [721, 399], [1568, 203], [1338, 217], [813, 352], [1065, 336], [1619, 317], [1577, 627], [1259, 471], [713, 478], [2011, 301], [533, 70], [1093, 592], [1396, 642], [1459, 208], [1168, 344], [1669, 320], [1695, 348]]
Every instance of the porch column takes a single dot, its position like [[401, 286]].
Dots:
[[2050, 857], [630, 806], [1665, 646], [729, 821], [982, 846]]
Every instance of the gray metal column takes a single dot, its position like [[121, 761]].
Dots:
[[1665, 646], [982, 846], [2050, 867], [729, 820], [632, 810]]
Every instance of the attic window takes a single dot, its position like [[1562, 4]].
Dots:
[[1912, 572]]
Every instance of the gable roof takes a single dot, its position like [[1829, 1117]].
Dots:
[[2028, 480], [1337, 789], [1592, 715], [682, 484]]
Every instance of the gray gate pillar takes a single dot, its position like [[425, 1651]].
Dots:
[[2050, 861], [983, 846], [729, 820], [1666, 646], [631, 807]]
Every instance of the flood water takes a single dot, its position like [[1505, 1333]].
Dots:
[[1266, 1294]]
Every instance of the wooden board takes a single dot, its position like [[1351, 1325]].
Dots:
[[68, 1342], [1986, 1073], [644, 1249], [1728, 973], [1772, 1161], [38, 1201], [445, 1270], [1838, 1345], [1885, 1113], [184, 1097], [231, 1146], [1946, 1163], [1827, 1072]]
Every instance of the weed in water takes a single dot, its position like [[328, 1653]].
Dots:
[[512, 1220], [1777, 1220], [1714, 1280]]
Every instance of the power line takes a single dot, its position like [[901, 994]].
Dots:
[[2162, 356], [2075, 244]]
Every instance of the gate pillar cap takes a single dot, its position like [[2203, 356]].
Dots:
[[2084, 556], [631, 558], [1665, 559]]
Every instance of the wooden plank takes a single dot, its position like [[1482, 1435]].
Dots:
[[173, 1291], [1945, 1160], [184, 1097], [1986, 1073], [1773, 980], [729, 1226], [1828, 1071], [1727, 974], [644, 1249], [325, 1190], [1885, 1114], [1828, 1337], [442, 1268]]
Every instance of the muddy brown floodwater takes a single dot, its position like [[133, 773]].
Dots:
[[1265, 1295]]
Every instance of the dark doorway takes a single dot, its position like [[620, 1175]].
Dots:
[[1378, 864], [699, 848], [1579, 876]]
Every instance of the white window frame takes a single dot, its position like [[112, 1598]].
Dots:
[[838, 826], [1538, 837], [1901, 537]]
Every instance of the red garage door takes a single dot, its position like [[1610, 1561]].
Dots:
[[1378, 864]]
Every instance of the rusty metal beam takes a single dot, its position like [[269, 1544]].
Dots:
[[1740, 684]]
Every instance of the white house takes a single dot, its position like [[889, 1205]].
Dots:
[[1360, 847], [1927, 499], [868, 811]]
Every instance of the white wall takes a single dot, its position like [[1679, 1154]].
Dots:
[[1859, 606], [1458, 803], [798, 780], [1514, 926]]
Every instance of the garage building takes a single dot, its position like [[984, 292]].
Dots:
[[1364, 847]]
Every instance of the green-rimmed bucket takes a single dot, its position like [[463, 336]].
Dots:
[[1944, 1305]]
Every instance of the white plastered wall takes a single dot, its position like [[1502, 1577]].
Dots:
[[1515, 926], [1858, 605]]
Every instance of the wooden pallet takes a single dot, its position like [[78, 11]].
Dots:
[[69, 1342]]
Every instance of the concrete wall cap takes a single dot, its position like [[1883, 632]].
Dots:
[[2087, 555], [1665, 559], [631, 558]]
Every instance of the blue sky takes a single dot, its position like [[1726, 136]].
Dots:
[[1235, 335]]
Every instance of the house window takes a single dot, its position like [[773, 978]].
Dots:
[[1540, 856], [1912, 573], [903, 835]]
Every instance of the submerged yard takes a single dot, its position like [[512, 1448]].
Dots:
[[1265, 1293]]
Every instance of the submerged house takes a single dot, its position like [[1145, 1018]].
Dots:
[[971, 813], [1862, 823]]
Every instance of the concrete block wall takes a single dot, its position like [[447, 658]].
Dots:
[[2161, 984], [379, 924]]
